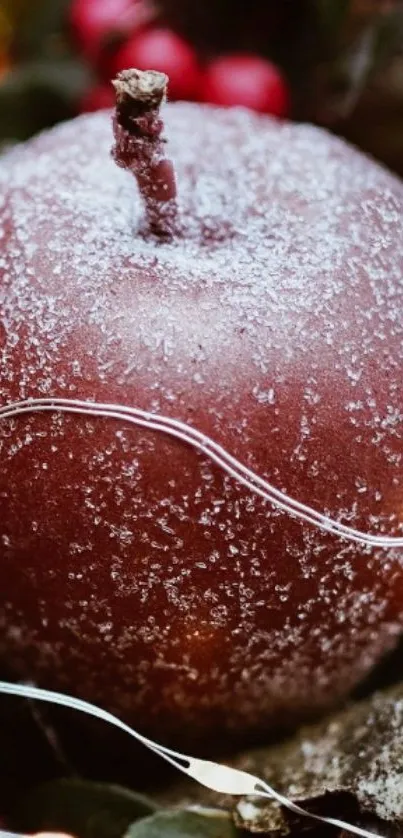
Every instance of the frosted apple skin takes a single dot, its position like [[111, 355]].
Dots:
[[134, 572]]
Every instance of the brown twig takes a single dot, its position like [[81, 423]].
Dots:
[[140, 145]]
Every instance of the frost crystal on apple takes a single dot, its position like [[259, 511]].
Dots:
[[133, 570]]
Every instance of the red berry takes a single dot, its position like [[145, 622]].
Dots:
[[161, 49], [98, 97], [246, 80], [94, 21]]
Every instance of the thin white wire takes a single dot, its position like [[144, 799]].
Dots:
[[207, 446], [220, 778]]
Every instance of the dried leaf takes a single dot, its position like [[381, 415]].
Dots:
[[349, 766], [80, 807]]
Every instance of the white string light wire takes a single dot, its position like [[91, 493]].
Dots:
[[205, 445], [219, 778]]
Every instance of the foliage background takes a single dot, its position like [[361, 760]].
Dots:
[[343, 59]]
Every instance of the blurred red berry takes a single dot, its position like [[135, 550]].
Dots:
[[94, 22], [101, 96], [243, 79], [161, 49]]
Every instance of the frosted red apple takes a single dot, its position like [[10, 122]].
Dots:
[[134, 571]]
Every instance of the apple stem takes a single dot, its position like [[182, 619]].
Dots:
[[140, 145]]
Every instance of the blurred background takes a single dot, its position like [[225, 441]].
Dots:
[[338, 63]]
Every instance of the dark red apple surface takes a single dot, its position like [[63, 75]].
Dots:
[[134, 571]]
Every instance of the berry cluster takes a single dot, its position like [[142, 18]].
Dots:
[[115, 35]]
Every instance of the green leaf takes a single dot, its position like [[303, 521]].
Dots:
[[185, 823], [38, 27], [38, 94], [82, 808]]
